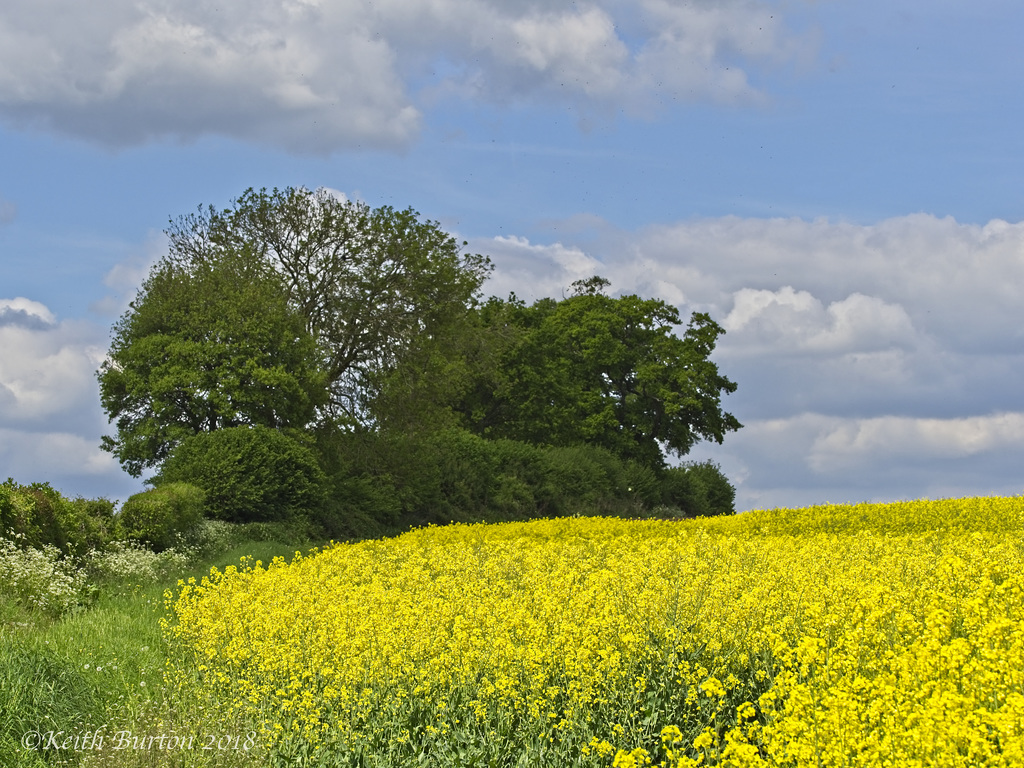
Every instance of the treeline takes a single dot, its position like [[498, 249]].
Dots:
[[368, 485], [299, 356], [37, 515]]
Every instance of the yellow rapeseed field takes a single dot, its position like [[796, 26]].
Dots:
[[855, 635]]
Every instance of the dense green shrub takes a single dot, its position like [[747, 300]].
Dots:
[[464, 469], [157, 517], [358, 507], [381, 484], [581, 477], [698, 490], [720, 492], [373, 480], [249, 474], [589, 479], [38, 515], [91, 524], [642, 484], [490, 480]]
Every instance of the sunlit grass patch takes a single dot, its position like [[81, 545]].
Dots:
[[86, 686]]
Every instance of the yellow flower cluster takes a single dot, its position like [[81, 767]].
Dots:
[[885, 635]]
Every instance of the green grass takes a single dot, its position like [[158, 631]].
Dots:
[[102, 666]]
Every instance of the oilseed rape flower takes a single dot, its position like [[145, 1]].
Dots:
[[869, 634]]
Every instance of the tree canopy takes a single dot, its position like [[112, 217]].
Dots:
[[203, 349], [297, 324], [593, 369], [284, 310], [370, 283]]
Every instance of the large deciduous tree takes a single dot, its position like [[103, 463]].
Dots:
[[373, 284], [598, 370], [203, 349], [287, 309]]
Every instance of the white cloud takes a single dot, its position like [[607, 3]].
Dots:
[[852, 443], [321, 75], [47, 371], [25, 313], [578, 52], [812, 458], [790, 320], [296, 74], [958, 282], [689, 54], [534, 271], [50, 415]]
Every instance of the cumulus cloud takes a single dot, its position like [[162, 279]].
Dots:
[[845, 286], [317, 76], [813, 458], [852, 443], [958, 282], [47, 371], [534, 271], [50, 415], [790, 320], [25, 313]]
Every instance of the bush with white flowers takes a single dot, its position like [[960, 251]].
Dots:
[[41, 577], [129, 560]]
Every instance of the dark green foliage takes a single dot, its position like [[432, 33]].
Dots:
[[217, 346], [596, 370], [698, 490], [374, 286], [38, 515], [721, 495], [249, 474], [361, 502], [489, 480], [381, 484], [156, 517], [643, 483], [586, 475], [591, 480]]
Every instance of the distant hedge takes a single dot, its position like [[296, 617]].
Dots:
[[698, 490], [158, 516], [38, 515], [379, 484], [249, 474]]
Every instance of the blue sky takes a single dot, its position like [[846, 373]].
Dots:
[[838, 184]]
